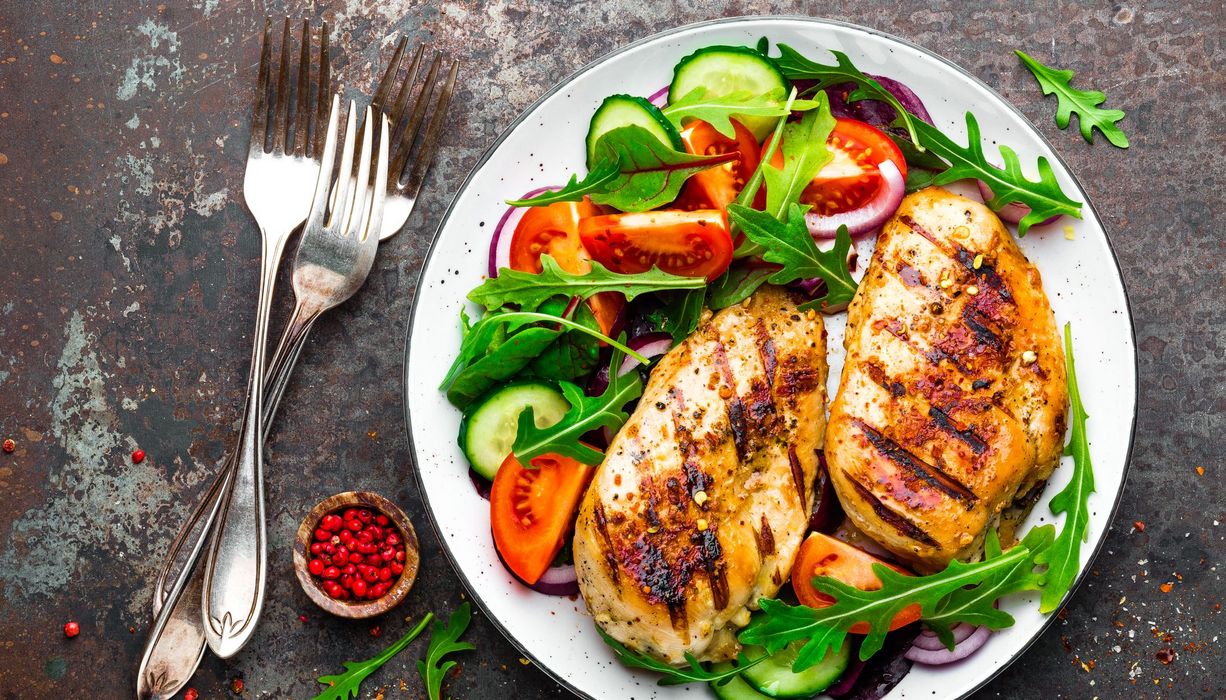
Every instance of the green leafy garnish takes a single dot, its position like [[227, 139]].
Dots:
[[596, 182], [718, 110], [1008, 184], [586, 413], [682, 312], [530, 290], [789, 243], [750, 191], [796, 67], [573, 354], [672, 675], [345, 685], [1083, 103], [443, 641], [804, 155], [651, 172], [737, 284], [1063, 557]]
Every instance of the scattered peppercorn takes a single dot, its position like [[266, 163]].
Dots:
[[9, 444], [138, 456], [71, 629], [356, 554]]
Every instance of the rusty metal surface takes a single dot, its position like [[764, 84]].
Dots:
[[127, 274]]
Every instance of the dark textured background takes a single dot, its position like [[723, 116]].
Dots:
[[127, 274]]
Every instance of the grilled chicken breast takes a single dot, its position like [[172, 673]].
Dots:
[[704, 495], [952, 400]]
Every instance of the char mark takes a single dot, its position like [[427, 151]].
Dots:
[[986, 273], [894, 519], [606, 542], [930, 474], [711, 560], [736, 408], [983, 334], [765, 539], [943, 421], [914, 226], [878, 375], [695, 479], [766, 350], [798, 476]]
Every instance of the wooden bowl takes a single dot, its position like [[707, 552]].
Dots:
[[365, 608]]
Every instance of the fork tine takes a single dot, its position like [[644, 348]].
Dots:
[[356, 215], [340, 197], [370, 230], [319, 204], [406, 88], [281, 116], [259, 114], [428, 145], [419, 112], [323, 90], [302, 100], [389, 76]]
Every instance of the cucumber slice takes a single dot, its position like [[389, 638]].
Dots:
[[736, 688], [774, 677], [724, 69], [488, 429], [624, 110]]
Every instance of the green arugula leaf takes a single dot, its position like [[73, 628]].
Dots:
[[1083, 103], [1043, 196], [796, 67], [585, 414], [827, 628], [672, 675], [804, 155], [682, 312], [718, 110], [530, 290], [346, 685], [1063, 557], [652, 172], [443, 641], [737, 284], [790, 244], [574, 354], [575, 190]]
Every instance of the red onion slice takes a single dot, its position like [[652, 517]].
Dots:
[[559, 581], [871, 216], [927, 639], [943, 656], [1013, 212], [649, 345], [659, 98], [500, 244]]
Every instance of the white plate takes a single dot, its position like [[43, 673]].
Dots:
[[545, 145]]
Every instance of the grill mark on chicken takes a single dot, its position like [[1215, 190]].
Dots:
[[735, 407], [711, 558], [695, 479], [798, 475], [891, 517], [914, 226], [602, 531], [986, 335], [878, 375], [930, 474], [943, 421], [766, 350], [985, 272], [765, 539]]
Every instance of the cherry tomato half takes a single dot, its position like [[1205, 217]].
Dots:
[[822, 555], [554, 230], [851, 179], [690, 243], [717, 187], [531, 510]]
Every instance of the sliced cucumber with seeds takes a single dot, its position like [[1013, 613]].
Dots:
[[736, 688], [624, 110], [721, 70], [775, 678], [488, 431]]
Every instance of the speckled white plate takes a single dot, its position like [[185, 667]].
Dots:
[[545, 145]]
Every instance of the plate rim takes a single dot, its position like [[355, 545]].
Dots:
[[568, 79]]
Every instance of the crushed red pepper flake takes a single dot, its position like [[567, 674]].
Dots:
[[1200, 471], [1166, 587], [1166, 655], [1139, 525]]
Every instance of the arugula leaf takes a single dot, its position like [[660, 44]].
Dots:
[[1063, 557], [804, 155], [1043, 196], [346, 685], [443, 641], [1083, 103], [574, 354], [672, 675], [717, 110], [789, 244], [585, 414], [682, 312], [737, 284], [652, 172], [796, 67], [530, 290], [826, 628], [573, 191]]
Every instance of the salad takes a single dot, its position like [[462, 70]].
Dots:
[[755, 166]]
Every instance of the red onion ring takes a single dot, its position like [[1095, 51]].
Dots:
[[927, 639], [943, 656], [500, 246], [869, 217], [659, 98], [558, 580], [1013, 212], [649, 345]]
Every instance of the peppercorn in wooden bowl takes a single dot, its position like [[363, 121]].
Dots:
[[356, 554]]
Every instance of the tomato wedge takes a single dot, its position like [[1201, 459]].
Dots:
[[717, 187], [690, 243], [531, 510], [851, 179], [554, 230], [822, 555]]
